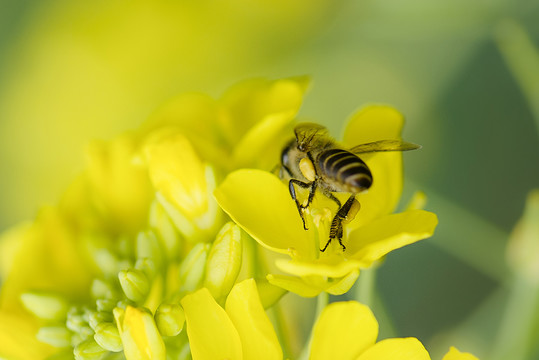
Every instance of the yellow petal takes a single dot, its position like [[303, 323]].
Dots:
[[256, 142], [247, 103], [49, 259], [18, 338], [373, 123], [195, 115], [140, 338], [343, 331], [260, 204], [396, 349], [295, 285], [454, 354], [258, 337], [342, 285], [192, 113], [334, 266], [177, 172], [10, 241], [211, 332], [374, 240], [120, 187], [384, 194]]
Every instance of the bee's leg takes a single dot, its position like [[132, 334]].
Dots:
[[332, 197], [312, 190], [336, 230], [292, 190]]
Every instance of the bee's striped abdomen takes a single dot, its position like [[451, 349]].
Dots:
[[347, 171]]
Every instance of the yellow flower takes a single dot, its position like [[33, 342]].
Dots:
[[241, 330], [140, 338], [348, 331], [260, 203], [240, 128]]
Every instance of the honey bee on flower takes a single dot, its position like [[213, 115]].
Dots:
[[313, 160]]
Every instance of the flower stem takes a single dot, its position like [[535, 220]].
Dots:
[[364, 289], [516, 334], [282, 330]]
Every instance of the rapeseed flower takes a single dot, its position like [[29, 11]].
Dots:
[[104, 270], [138, 261], [348, 330], [260, 203]]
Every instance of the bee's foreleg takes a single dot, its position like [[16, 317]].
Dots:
[[292, 190], [336, 229], [332, 197]]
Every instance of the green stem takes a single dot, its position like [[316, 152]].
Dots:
[[282, 330], [364, 289], [516, 336], [321, 303]]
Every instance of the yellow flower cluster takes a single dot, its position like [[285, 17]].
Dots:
[[138, 261]]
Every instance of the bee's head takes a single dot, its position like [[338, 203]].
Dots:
[[285, 154]]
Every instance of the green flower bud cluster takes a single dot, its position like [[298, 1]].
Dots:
[[137, 296]]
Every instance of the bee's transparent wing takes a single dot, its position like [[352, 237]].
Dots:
[[309, 133], [384, 145]]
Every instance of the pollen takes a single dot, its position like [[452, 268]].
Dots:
[[307, 169]]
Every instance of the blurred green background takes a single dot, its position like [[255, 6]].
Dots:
[[465, 74]]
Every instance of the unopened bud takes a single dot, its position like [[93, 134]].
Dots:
[[134, 283], [162, 224], [45, 306], [105, 304], [224, 261], [57, 336], [97, 317], [101, 289], [169, 319], [139, 334], [108, 337], [147, 266], [89, 350], [193, 266], [148, 247]]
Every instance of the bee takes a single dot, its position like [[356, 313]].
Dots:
[[315, 161]]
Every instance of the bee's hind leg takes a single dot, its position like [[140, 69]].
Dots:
[[345, 214], [292, 189]]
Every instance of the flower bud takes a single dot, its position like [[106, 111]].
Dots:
[[169, 319], [97, 317], [45, 306], [193, 266], [102, 289], [108, 337], [148, 247], [77, 321], [140, 338], [161, 223], [224, 261], [147, 266], [105, 304], [89, 350], [134, 283], [57, 336]]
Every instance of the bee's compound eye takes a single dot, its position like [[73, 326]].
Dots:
[[307, 169], [285, 157]]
